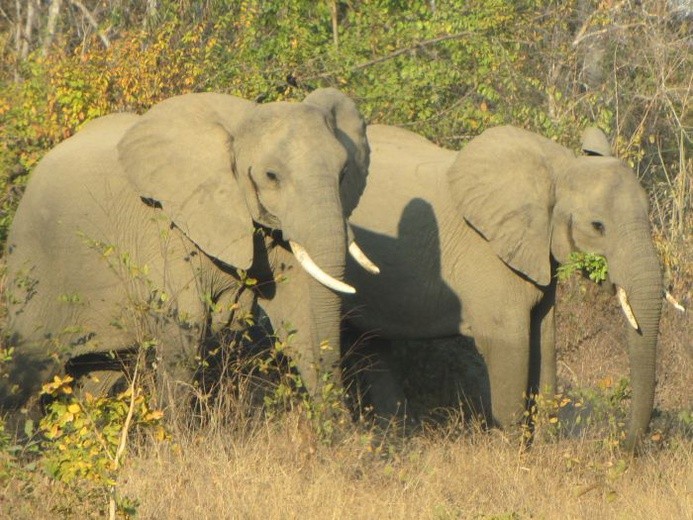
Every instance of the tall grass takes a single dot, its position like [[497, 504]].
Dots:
[[243, 463]]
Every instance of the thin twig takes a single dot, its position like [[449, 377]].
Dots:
[[122, 444], [128, 419], [5, 15]]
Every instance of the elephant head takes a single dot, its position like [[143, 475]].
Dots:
[[535, 200], [219, 167]]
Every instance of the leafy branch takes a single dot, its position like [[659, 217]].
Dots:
[[592, 264], [392, 55]]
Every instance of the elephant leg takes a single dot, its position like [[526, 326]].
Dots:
[[543, 346], [173, 376], [506, 352], [300, 352], [370, 376], [547, 375], [477, 391]]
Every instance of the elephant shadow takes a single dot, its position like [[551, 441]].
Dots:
[[424, 377]]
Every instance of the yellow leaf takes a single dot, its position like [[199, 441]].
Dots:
[[73, 408], [154, 415], [606, 382]]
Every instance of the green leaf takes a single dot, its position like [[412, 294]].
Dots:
[[591, 264]]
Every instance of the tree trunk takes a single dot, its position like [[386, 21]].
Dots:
[[51, 26], [28, 29]]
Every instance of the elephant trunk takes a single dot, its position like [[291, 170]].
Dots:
[[325, 241], [635, 269]]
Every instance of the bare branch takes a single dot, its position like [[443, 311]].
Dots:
[[5, 15], [335, 23], [92, 21], [418, 45]]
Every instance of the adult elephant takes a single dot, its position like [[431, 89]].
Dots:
[[162, 228], [468, 243]]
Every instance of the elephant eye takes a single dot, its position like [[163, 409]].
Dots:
[[272, 176], [598, 227]]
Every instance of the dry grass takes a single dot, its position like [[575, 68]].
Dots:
[[278, 471], [277, 468], [274, 474], [245, 466]]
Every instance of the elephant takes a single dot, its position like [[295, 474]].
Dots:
[[468, 243], [160, 229]]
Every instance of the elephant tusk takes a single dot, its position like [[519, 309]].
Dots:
[[357, 254], [673, 301], [312, 269], [627, 310]]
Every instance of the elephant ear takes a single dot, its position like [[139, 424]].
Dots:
[[502, 183], [594, 142], [350, 130], [180, 157]]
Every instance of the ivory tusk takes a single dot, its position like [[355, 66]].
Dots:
[[312, 269], [357, 254], [674, 302], [627, 310]]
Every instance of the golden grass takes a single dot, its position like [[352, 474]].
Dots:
[[243, 466], [277, 470]]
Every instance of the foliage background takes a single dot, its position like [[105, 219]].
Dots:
[[444, 68]]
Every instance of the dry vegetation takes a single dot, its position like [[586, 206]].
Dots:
[[241, 465]]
